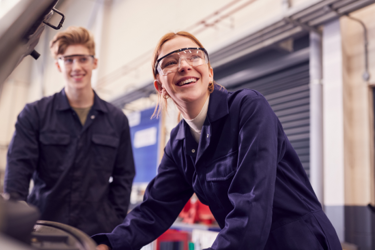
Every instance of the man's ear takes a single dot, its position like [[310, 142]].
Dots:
[[95, 63], [158, 86], [58, 66]]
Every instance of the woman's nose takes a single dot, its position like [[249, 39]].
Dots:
[[183, 65]]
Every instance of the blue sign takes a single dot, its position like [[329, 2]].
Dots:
[[145, 134]]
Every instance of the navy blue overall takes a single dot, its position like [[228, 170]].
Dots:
[[245, 169]]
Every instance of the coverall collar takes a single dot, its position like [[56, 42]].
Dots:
[[63, 103], [217, 108]]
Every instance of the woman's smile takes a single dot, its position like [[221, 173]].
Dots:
[[186, 81]]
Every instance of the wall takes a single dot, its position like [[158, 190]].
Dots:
[[126, 33], [134, 27], [359, 136], [359, 129]]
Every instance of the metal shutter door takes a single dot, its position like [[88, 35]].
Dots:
[[288, 93]]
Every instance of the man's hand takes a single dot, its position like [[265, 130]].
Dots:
[[102, 247]]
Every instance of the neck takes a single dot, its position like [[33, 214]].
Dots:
[[82, 98], [192, 109]]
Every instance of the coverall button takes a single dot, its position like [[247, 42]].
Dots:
[[208, 135], [93, 117], [193, 150]]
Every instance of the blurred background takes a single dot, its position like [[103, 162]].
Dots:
[[313, 60]]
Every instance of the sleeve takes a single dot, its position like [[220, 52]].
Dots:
[[164, 198], [123, 174], [251, 191], [22, 156]]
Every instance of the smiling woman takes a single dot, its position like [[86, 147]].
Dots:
[[231, 150]]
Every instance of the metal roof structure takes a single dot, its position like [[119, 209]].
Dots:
[[296, 23]]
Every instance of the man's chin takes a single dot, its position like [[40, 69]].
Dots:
[[78, 85]]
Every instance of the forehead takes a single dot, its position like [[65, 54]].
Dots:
[[76, 49], [176, 43]]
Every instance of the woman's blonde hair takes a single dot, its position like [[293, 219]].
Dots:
[[72, 36], [162, 102]]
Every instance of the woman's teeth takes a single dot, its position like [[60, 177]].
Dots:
[[187, 81]]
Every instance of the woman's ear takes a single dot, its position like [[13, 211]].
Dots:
[[158, 86], [211, 74]]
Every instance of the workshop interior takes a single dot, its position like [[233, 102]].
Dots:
[[312, 60]]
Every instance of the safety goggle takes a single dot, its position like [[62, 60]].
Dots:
[[171, 62], [68, 61]]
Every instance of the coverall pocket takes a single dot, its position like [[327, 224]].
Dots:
[[53, 152], [54, 139], [104, 151], [222, 168], [219, 176]]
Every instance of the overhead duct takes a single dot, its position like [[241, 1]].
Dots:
[[293, 25]]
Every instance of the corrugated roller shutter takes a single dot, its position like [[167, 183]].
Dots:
[[288, 93]]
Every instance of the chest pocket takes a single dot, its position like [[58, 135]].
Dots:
[[222, 168], [104, 151], [54, 150], [219, 176], [54, 139]]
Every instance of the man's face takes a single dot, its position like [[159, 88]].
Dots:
[[77, 64]]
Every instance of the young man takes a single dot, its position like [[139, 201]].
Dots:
[[75, 146]]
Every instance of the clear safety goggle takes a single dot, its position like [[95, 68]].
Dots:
[[68, 61], [171, 62]]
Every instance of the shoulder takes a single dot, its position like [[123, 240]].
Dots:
[[238, 96], [45, 101], [245, 95], [33, 112], [114, 113], [248, 101], [247, 98], [39, 106]]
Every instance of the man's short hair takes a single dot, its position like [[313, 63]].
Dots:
[[72, 36]]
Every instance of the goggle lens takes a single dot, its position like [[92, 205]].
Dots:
[[68, 61], [172, 62]]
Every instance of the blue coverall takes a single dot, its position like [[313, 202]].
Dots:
[[245, 169], [71, 164]]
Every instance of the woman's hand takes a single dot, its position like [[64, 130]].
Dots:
[[102, 247]]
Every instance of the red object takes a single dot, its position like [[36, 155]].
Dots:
[[197, 212], [174, 236]]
